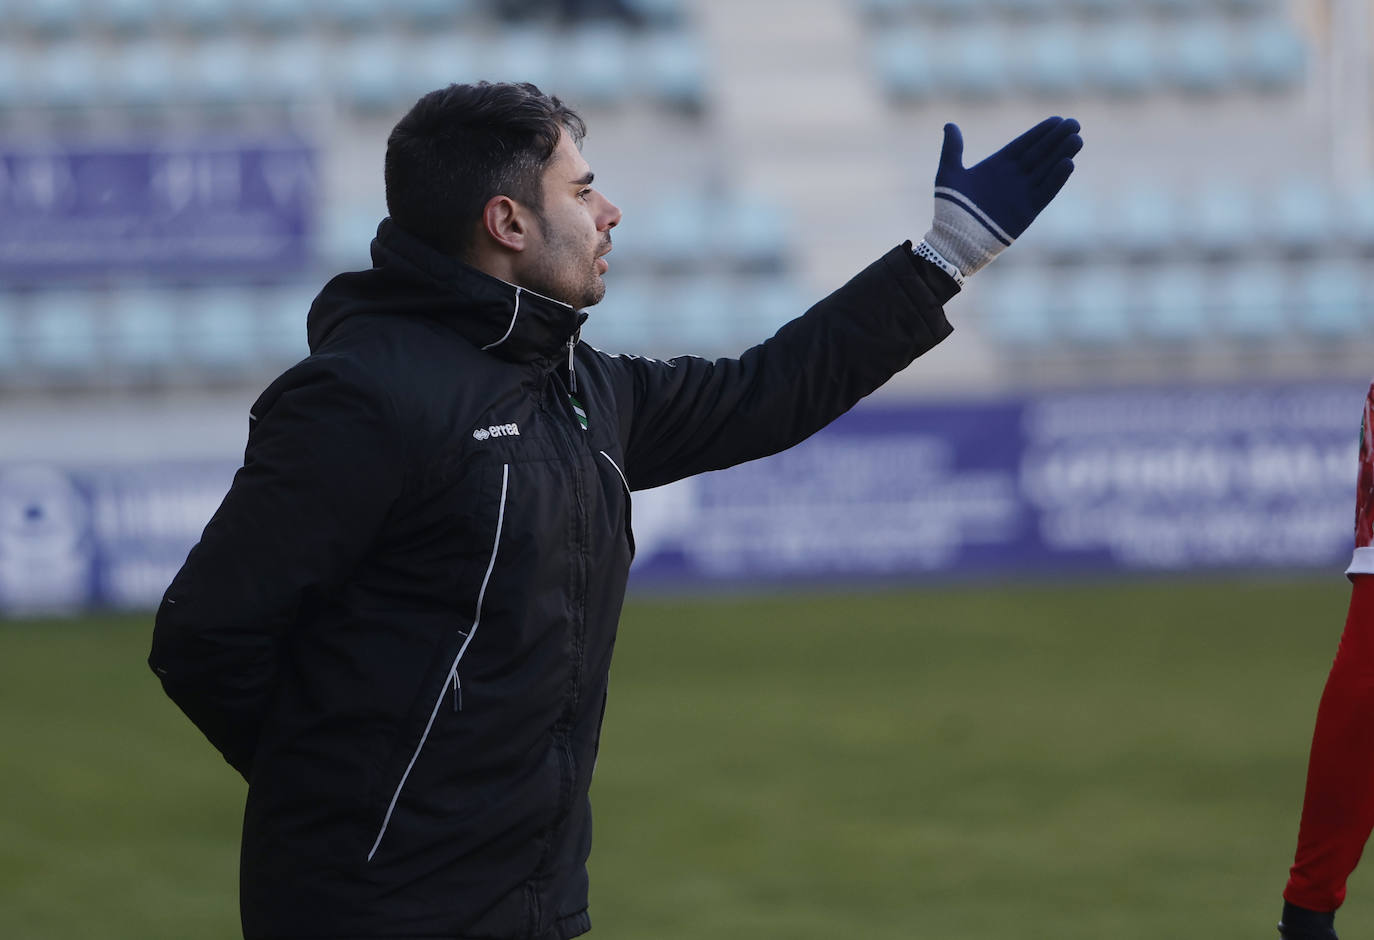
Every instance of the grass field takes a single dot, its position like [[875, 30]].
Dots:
[[1110, 761]]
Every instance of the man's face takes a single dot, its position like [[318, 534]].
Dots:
[[564, 260]]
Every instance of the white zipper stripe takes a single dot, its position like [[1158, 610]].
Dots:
[[617, 470], [514, 314], [453, 670]]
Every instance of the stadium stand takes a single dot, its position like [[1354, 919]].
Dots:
[[718, 245]]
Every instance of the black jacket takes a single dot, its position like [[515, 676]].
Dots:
[[398, 625]]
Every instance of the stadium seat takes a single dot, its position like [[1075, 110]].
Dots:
[[48, 17], [1271, 55], [1025, 9], [904, 67], [1094, 307], [522, 54], [204, 17], [144, 74], [679, 232], [752, 233], [141, 330], [291, 68], [669, 65], [1221, 218], [700, 317], [765, 303], [593, 65], [1300, 214], [346, 233], [61, 336], [438, 61], [1068, 228], [220, 330], [1174, 304], [1199, 56], [68, 74], [1143, 220], [1101, 9], [973, 64], [369, 73], [1050, 60], [131, 17], [282, 337], [275, 16], [628, 319], [1121, 60], [433, 13], [1251, 301], [1332, 299], [1013, 306], [218, 72], [354, 15]]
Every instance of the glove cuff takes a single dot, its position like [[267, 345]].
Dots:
[[964, 234], [923, 250]]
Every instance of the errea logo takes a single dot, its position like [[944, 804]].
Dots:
[[497, 430]]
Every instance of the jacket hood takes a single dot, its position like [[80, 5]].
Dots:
[[409, 278]]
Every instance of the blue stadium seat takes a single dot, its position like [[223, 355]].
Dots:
[[1221, 219], [1143, 221], [1333, 299], [131, 17], [142, 325], [1094, 307], [276, 16], [61, 335], [204, 17], [629, 317], [68, 74], [1271, 55], [1014, 306], [669, 65], [438, 61], [144, 74], [281, 327], [48, 17], [291, 68], [523, 54], [903, 64], [1199, 59], [220, 330], [974, 64], [1252, 301], [1174, 304], [219, 72], [752, 234], [346, 233], [369, 72], [765, 303], [593, 65], [1069, 227], [1121, 60], [1050, 60], [701, 318], [1300, 214], [679, 232]]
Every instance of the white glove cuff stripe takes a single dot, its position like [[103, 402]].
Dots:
[[960, 200], [922, 249]]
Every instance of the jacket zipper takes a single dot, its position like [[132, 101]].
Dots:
[[452, 677]]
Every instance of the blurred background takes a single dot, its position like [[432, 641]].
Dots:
[[1091, 545]]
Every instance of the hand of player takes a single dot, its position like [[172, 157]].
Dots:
[[980, 210], [1298, 923]]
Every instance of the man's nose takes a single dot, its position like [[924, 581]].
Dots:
[[611, 217]]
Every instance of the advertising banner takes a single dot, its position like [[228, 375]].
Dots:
[[186, 208], [1162, 480]]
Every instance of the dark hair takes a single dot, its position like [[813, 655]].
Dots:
[[460, 146]]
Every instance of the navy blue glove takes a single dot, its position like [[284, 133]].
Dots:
[[1301, 924], [979, 210]]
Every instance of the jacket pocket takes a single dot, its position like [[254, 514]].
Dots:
[[629, 503], [452, 684]]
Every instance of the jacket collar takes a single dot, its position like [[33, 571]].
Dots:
[[508, 321]]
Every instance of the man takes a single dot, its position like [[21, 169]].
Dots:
[[398, 625], [1338, 808]]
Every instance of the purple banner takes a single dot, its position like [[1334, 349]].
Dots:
[[1167, 480], [186, 209]]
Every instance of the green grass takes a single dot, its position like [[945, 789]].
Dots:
[[1111, 761]]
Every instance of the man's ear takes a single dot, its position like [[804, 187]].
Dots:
[[506, 222]]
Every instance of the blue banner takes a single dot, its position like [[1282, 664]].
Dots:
[[1162, 480], [240, 207]]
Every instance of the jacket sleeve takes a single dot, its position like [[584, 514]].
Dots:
[[688, 415], [321, 469]]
